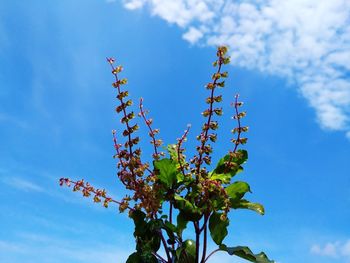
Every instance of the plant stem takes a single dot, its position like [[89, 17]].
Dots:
[[179, 154], [147, 122], [198, 233], [207, 125], [159, 257], [165, 246], [204, 227], [212, 253], [125, 115], [171, 220], [239, 124]]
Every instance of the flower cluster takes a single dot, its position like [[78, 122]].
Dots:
[[99, 195], [239, 140], [152, 132], [181, 158], [132, 172], [205, 149]]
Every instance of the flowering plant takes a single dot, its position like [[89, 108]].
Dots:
[[189, 191]]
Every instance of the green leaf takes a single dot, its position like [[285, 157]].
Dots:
[[187, 252], [244, 204], [170, 229], [148, 257], [166, 171], [181, 223], [189, 211], [190, 247], [224, 178], [218, 227], [172, 150], [246, 253], [146, 235], [178, 254], [221, 167], [139, 220], [152, 239], [134, 258], [237, 190]]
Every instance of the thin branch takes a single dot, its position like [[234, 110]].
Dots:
[[212, 253], [152, 133], [239, 130], [123, 109], [117, 148], [205, 222], [179, 143], [159, 257], [171, 220], [197, 230], [88, 189], [204, 238], [204, 137], [165, 246]]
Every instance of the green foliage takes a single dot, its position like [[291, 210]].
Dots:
[[244, 204], [218, 227], [166, 172], [193, 191], [246, 253], [237, 159]]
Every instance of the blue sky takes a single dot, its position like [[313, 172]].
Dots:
[[290, 65]]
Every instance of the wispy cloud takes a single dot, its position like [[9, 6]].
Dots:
[[22, 184], [348, 135], [9, 119], [9, 246], [40, 248], [192, 35], [305, 41], [333, 249]]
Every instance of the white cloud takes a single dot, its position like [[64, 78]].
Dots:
[[192, 35], [329, 250], [22, 184], [348, 135], [132, 4], [332, 249], [345, 250], [305, 41]]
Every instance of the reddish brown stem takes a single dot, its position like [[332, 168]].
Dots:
[[92, 190], [116, 146], [204, 238], [206, 126], [239, 128], [147, 122], [165, 246], [159, 257], [171, 219], [124, 112], [239, 124], [212, 253], [198, 233], [179, 143]]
